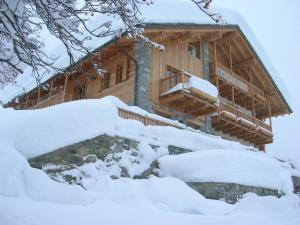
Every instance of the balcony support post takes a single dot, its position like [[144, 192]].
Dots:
[[215, 52], [65, 88], [50, 93], [38, 96], [253, 105], [26, 102], [233, 102], [270, 113], [230, 54]]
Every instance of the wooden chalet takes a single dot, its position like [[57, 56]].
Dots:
[[142, 75]]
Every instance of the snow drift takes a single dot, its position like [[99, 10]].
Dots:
[[36, 132], [227, 166], [29, 196]]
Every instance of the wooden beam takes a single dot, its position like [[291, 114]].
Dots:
[[187, 37], [27, 99], [230, 55], [227, 37], [233, 102], [50, 93], [38, 96], [253, 105], [245, 63], [65, 87], [270, 113], [213, 37]]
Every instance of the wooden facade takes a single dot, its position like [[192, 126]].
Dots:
[[247, 97]]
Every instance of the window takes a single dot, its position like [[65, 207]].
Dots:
[[119, 74], [79, 92], [194, 49], [172, 77], [105, 81]]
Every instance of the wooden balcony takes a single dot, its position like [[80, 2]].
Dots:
[[175, 94], [147, 121], [236, 123], [245, 91], [53, 100]]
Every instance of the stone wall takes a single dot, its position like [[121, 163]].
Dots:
[[205, 47], [105, 148], [142, 83], [58, 163], [84, 152], [230, 192]]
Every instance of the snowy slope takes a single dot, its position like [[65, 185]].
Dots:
[[29, 196], [162, 11], [36, 132]]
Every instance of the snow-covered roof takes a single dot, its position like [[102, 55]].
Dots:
[[183, 12]]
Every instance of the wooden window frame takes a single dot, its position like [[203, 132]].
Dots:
[[119, 73], [105, 81], [173, 77], [194, 49]]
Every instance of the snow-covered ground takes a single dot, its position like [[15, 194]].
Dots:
[[29, 196]]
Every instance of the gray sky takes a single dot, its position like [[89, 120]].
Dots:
[[276, 24]]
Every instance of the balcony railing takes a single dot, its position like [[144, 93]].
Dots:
[[53, 100], [147, 121], [167, 83], [242, 84], [240, 114]]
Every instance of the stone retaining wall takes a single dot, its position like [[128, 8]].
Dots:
[[106, 148], [230, 192]]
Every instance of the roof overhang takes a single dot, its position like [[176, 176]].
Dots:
[[218, 27]]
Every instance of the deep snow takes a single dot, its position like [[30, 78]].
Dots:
[[29, 196]]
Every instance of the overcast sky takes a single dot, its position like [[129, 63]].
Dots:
[[276, 24]]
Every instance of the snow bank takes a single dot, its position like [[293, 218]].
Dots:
[[241, 167], [29, 133], [18, 179], [36, 132], [167, 194], [29, 196], [252, 210]]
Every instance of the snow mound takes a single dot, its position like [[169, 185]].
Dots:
[[241, 167], [29, 196], [36, 132], [18, 179]]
